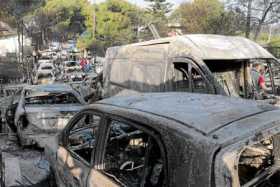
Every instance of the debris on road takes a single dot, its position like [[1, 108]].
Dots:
[[22, 167]]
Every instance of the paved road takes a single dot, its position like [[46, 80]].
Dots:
[[22, 167]]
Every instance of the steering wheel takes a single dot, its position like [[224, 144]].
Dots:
[[129, 166]]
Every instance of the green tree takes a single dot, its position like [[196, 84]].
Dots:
[[6, 17], [198, 14], [63, 19], [230, 22], [14, 11], [116, 24], [159, 7], [158, 10], [209, 17]]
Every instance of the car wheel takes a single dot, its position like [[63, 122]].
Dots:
[[20, 127]]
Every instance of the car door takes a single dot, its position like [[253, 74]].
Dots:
[[75, 156], [130, 156]]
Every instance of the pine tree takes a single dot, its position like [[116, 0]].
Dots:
[[159, 7]]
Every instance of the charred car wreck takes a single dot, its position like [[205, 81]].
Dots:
[[132, 141], [43, 110], [211, 64]]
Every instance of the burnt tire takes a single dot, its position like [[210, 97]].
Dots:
[[20, 127]]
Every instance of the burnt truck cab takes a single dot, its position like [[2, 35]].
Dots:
[[169, 139], [212, 64]]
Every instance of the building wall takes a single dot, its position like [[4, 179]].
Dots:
[[9, 44]]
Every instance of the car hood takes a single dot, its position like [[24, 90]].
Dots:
[[53, 117]]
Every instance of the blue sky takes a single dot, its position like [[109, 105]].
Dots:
[[143, 3]]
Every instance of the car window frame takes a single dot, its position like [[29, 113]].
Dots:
[[104, 134], [207, 82], [193, 64], [71, 124], [188, 64]]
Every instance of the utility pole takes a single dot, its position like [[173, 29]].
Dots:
[[28, 70], [94, 20], [94, 28], [19, 43], [22, 42]]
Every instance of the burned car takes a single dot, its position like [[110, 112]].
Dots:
[[213, 64], [72, 75], [91, 87], [43, 77], [45, 59], [71, 64], [45, 74], [46, 67], [169, 139], [44, 110]]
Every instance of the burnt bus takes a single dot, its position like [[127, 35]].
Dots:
[[212, 64]]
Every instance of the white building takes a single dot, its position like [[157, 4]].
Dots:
[[10, 44], [9, 40]]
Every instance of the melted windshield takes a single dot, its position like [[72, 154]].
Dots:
[[47, 67], [45, 98], [236, 77]]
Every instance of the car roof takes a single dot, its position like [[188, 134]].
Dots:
[[50, 88], [203, 46], [202, 112]]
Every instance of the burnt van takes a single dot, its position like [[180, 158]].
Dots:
[[212, 64]]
